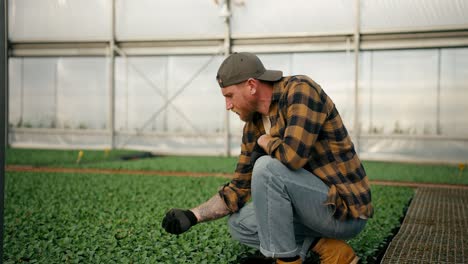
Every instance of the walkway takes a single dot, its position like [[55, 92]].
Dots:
[[435, 229]]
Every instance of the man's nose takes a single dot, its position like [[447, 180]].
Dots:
[[228, 104]]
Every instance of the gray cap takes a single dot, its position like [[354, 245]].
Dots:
[[239, 67]]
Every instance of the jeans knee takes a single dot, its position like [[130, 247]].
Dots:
[[233, 225], [242, 226], [260, 170], [232, 221]]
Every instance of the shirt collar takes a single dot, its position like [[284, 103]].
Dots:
[[278, 88]]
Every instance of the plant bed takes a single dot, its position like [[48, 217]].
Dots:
[[102, 218], [388, 171]]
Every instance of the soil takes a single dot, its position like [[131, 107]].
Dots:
[[23, 168]]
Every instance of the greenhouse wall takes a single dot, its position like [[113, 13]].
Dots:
[[149, 66]]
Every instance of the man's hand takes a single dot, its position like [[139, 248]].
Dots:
[[257, 152], [177, 221], [263, 141]]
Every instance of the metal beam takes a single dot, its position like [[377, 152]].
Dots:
[[3, 112], [48, 49], [226, 13], [281, 43], [111, 72], [356, 41]]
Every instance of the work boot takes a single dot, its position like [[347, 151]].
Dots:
[[256, 258], [334, 251], [298, 261]]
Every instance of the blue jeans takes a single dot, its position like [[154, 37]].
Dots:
[[287, 212]]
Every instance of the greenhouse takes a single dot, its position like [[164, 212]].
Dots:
[[101, 95], [141, 74]]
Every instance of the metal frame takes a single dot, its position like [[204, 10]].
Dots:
[[361, 40], [281, 43], [111, 77], [3, 111], [356, 41]]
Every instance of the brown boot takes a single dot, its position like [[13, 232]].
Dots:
[[299, 261], [334, 251]]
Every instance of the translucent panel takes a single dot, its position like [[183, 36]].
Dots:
[[82, 93], [174, 144], [15, 95], [454, 92], [32, 92], [59, 139], [367, 93], [140, 88], [401, 14], [197, 96], [413, 149], [400, 88], [58, 93], [150, 19], [59, 20], [169, 93], [294, 16], [334, 72]]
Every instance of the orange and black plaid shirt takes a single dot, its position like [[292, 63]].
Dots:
[[307, 133]]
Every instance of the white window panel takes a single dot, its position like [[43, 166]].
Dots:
[[69, 93], [35, 89], [278, 17], [59, 20], [394, 15], [334, 72], [145, 84], [83, 93], [403, 90], [454, 92], [158, 19]]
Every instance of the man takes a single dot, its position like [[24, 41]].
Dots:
[[297, 162]]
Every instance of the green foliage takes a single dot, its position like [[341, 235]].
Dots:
[[176, 163], [406, 172], [390, 205], [98, 159], [70, 218], [101, 218], [62, 158], [112, 160]]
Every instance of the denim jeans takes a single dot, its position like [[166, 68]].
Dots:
[[287, 212]]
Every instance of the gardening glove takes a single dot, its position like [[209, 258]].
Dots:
[[178, 221], [256, 153]]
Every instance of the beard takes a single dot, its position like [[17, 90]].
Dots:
[[246, 110], [244, 116], [247, 117]]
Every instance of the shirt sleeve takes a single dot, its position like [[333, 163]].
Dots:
[[236, 193], [305, 114]]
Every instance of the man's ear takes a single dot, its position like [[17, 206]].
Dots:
[[253, 85]]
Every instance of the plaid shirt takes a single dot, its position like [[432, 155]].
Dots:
[[307, 133]]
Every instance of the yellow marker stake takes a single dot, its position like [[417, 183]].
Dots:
[[461, 167], [80, 155], [106, 153]]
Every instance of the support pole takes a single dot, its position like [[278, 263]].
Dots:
[[439, 69], [111, 78], [226, 13], [3, 113], [356, 128]]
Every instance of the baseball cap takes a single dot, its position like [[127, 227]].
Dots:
[[239, 67]]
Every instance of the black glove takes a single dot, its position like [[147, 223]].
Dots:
[[256, 153], [178, 221]]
